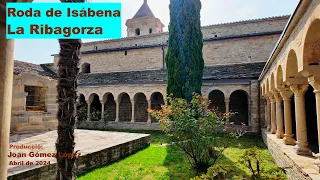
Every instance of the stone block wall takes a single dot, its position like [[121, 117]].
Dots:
[[119, 126], [221, 30], [20, 118], [254, 109], [89, 161]]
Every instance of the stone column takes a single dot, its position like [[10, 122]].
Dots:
[[301, 147], [102, 110], [286, 94], [149, 115], [117, 109], [6, 83], [227, 102], [315, 83], [132, 110], [273, 114], [279, 115], [268, 114], [89, 110]]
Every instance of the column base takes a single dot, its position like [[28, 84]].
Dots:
[[149, 121], [317, 163], [132, 121], [288, 140], [302, 149], [280, 135], [273, 131]]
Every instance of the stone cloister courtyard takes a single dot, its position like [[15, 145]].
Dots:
[[260, 77]]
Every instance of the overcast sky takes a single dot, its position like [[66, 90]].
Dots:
[[213, 12]]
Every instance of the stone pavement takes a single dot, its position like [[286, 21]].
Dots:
[[297, 167], [87, 142]]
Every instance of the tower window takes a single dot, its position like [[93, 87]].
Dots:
[[95, 48], [125, 53], [138, 32], [150, 31], [85, 68]]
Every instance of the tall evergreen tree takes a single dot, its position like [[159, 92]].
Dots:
[[184, 58]]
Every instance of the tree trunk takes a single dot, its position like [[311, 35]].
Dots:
[[66, 99]]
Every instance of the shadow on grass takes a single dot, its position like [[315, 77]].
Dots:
[[180, 168]]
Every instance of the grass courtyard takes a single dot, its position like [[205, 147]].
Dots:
[[163, 161]]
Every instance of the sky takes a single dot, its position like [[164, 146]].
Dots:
[[39, 51]]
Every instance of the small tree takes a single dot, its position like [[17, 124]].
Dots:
[[192, 127]]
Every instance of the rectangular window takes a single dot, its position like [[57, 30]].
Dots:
[[35, 98]]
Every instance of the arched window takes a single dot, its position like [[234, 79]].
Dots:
[[150, 31], [138, 32], [85, 68]]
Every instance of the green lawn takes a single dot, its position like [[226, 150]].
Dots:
[[160, 161]]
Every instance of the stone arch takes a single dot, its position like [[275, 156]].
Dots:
[[311, 117], [156, 101], [267, 86], [272, 82], [239, 104], [279, 77], [82, 108], [109, 106], [311, 53], [291, 70], [85, 68], [217, 100], [96, 107], [140, 107], [125, 107], [137, 31]]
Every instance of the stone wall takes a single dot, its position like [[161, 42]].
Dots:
[[88, 162], [223, 48], [119, 126], [28, 121], [219, 52], [212, 31], [254, 109]]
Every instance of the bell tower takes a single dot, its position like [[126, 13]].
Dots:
[[144, 22]]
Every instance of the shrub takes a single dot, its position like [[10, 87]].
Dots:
[[192, 127], [252, 159], [218, 172]]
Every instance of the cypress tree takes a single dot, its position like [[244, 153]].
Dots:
[[184, 58]]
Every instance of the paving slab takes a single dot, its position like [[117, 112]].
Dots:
[[43, 144]]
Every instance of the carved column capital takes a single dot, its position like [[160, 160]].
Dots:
[[299, 89], [286, 93], [277, 96], [314, 81]]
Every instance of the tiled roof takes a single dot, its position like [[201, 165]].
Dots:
[[219, 72], [25, 67]]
